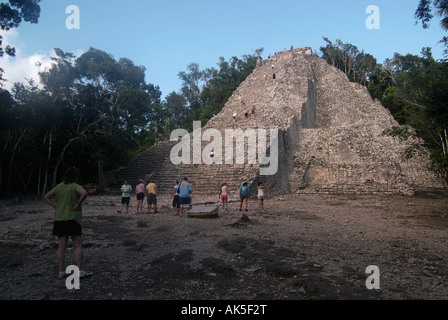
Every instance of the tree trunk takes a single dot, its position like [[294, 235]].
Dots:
[[1, 178], [444, 143], [11, 161], [44, 187], [39, 174], [101, 183], [61, 156]]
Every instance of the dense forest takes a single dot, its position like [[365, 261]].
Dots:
[[97, 113]]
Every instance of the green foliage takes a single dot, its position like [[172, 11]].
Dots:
[[205, 92], [425, 13], [419, 99], [90, 113], [11, 15], [358, 65]]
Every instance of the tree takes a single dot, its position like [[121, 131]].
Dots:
[[115, 97], [204, 92], [29, 116], [7, 106], [221, 83], [418, 98], [207, 91], [365, 66], [425, 13], [91, 112], [191, 88], [176, 106], [11, 15], [357, 65]]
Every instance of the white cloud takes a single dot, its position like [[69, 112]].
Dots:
[[22, 67]]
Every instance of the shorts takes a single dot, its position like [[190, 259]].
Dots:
[[176, 201], [152, 198], [261, 197], [244, 196], [184, 201], [140, 196], [224, 197], [67, 228], [125, 200]]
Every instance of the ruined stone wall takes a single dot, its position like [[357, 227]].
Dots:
[[348, 152]]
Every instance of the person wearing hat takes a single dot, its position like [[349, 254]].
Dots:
[[140, 192], [224, 195]]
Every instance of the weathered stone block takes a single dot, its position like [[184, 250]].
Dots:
[[203, 212]]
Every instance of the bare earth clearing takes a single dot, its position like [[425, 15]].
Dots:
[[300, 247]]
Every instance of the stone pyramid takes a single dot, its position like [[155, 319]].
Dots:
[[330, 138]]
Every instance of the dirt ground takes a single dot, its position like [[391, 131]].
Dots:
[[299, 247]]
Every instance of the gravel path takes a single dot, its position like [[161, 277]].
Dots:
[[299, 247]]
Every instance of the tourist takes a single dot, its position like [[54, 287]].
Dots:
[[184, 195], [125, 197], [175, 196], [140, 191], [261, 194], [244, 194], [151, 196], [224, 196], [253, 111], [273, 77], [67, 222], [234, 116], [246, 114]]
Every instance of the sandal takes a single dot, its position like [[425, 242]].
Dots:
[[84, 274]]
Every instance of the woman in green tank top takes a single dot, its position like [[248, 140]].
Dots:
[[69, 197]]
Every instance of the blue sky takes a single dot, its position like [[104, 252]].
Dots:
[[165, 36]]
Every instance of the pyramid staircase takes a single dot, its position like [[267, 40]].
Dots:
[[259, 90], [330, 137]]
